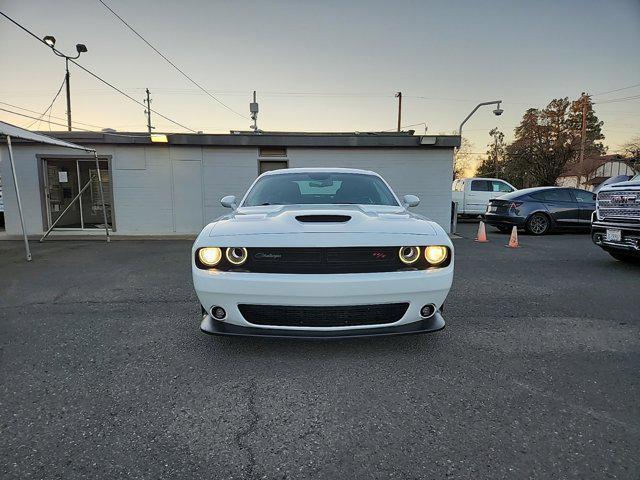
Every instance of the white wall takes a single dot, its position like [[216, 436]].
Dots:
[[143, 184]]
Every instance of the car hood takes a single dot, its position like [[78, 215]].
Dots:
[[292, 219], [629, 184]]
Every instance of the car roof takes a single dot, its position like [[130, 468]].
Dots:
[[320, 169], [482, 178]]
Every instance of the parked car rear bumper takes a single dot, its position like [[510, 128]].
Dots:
[[499, 220]]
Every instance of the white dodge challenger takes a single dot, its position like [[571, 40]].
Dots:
[[318, 252]]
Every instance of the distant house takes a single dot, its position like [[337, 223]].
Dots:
[[594, 171]]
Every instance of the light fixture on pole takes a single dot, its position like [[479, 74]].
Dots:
[[80, 49], [497, 112]]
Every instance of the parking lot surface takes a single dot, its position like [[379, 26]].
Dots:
[[105, 374]]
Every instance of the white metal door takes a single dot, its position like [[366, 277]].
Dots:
[[187, 196]]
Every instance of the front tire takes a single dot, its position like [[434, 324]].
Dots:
[[538, 224]]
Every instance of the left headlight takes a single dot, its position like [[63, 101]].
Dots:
[[210, 256], [436, 254], [409, 255]]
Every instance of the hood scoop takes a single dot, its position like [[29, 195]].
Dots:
[[323, 218]]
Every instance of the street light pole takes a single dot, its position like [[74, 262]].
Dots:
[[67, 77], [80, 48], [498, 111]]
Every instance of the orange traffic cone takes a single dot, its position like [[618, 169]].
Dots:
[[482, 234], [513, 241]]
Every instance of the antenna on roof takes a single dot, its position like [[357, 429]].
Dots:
[[253, 109]]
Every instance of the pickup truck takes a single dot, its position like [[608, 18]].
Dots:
[[473, 194], [615, 225]]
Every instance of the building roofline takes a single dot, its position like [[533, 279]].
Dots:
[[269, 139]]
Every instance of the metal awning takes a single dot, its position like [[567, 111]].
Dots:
[[12, 131]]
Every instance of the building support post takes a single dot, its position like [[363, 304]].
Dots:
[[15, 186], [104, 208]]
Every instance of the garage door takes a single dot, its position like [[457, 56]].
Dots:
[[187, 196]]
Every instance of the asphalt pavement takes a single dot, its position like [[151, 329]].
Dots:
[[105, 374]]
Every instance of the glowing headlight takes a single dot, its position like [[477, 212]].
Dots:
[[409, 255], [210, 256], [236, 255], [435, 254]]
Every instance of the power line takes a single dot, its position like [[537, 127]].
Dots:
[[55, 97], [81, 129], [51, 116], [618, 100], [36, 118], [171, 63], [95, 75], [617, 90]]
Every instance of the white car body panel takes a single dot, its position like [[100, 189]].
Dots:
[[276, 226]]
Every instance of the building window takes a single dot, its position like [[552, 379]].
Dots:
[[272, 152], [269, 165]]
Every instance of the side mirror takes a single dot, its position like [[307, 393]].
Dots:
[[410, 201], [229, 201]]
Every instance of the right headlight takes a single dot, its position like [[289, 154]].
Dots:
[[236, 255], [436, 254]]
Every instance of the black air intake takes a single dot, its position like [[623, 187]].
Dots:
[[323, 218]]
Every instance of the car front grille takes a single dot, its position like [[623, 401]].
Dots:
[[329, 316], [622, 204], [326, 260]]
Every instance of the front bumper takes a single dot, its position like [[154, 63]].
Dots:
[[230, 289], [630, 242], [215, 327]]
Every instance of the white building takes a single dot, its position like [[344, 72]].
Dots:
[[594, 171], [175, 187]]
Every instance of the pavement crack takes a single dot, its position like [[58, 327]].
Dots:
[[250, 427]]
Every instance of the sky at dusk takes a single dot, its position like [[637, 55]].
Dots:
[[326, 66]]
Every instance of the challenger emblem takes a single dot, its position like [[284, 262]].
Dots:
[[268, 256], [379, 255]]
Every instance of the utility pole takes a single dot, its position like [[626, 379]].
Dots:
[[253, 110], [495, 153], [148, 110], [66, 81], [583, 136], [399, 97]]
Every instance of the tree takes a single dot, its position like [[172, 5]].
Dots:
[[493, 165], [547, 141], [464, 161], [631, 150], [593, 146]]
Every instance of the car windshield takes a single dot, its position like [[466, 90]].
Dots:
[[321, 188], [636, 178]]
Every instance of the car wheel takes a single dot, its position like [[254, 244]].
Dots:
[[623, 257], [538, 224]]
